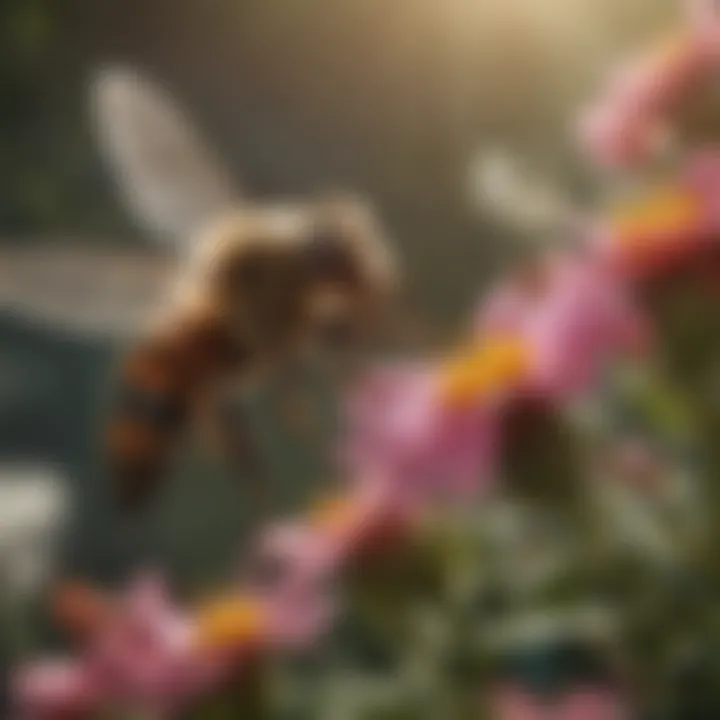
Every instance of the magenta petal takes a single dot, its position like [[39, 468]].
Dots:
[[703, 14], [300, 616], [49, 689], [515, 704], [503, 312], [612, 137], [592, 704]]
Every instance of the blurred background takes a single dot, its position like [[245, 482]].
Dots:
[[392, 99]]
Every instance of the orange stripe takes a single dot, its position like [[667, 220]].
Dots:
[[143, 370], [136, 439]]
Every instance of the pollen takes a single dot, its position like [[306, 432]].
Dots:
[[332, 513], [494, 366], [670, 211], [231, 622]]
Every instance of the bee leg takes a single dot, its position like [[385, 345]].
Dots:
[[236, 441]]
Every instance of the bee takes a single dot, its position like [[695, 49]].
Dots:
[[257, 284]]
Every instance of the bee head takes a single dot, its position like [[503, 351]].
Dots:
[[349, 269], [286, 276], [248, 272]]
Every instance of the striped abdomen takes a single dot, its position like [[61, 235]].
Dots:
[[162, 382]]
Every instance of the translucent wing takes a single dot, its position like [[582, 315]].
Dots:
[[501, 189], [82, 290], [170, 182]]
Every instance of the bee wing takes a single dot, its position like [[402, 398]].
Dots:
[[169, 180], [501, 189], [82, 291]]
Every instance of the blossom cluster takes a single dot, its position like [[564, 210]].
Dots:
[[416, 434], [634, 118]]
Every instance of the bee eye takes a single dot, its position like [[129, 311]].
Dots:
[[329, 257]]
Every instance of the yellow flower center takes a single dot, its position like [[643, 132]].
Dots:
[[669, 210], [495, 365], [230, 622], [332, 513]]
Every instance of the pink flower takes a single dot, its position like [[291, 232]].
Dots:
[[398, 428], [703, 16], [148, 653], [571, 316], [55, 689], [702, 175], [621, 128], [299, 611], [574, 317], [297, 562], [143, 657], [674, 227], [580, 704]]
